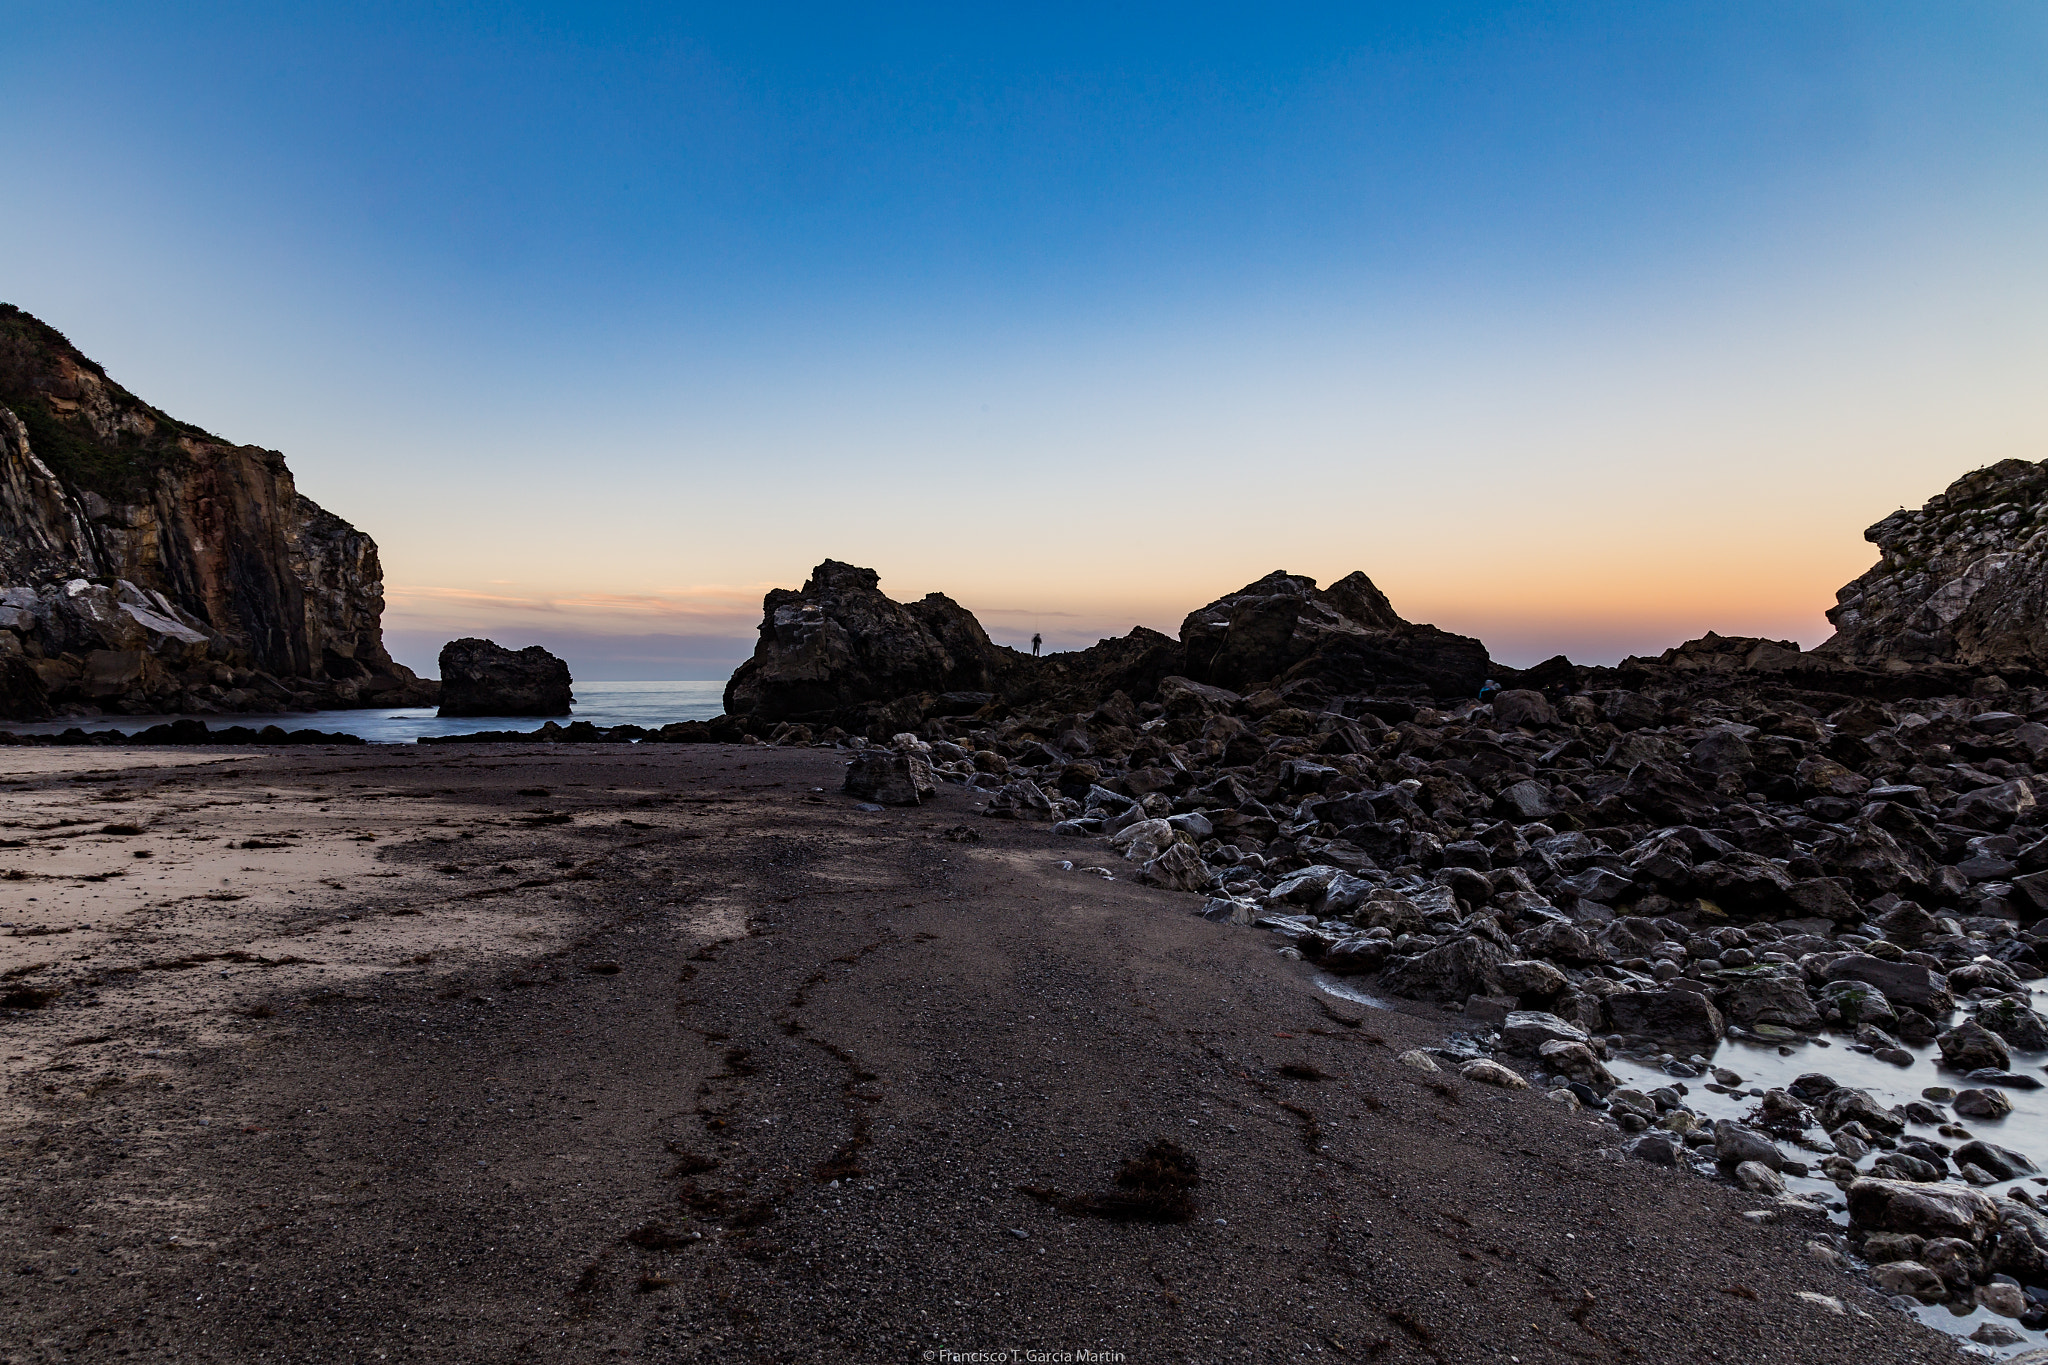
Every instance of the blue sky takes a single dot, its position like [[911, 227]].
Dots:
[[1580, 328]]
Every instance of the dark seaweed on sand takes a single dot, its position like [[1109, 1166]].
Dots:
[[1155, 1186]]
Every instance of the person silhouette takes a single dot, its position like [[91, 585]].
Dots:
[[1036, 641]]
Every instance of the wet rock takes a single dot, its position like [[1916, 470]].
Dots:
[[890, 778], [1525, 1031], [1758, 1178], [1669, 1015], [1735, 1143], [2012, 1020], [2007, 1301], [1954, 1259], [1902, 983], [1854, 1003], [2020, 1244], [1659, 1149], [1813, 1086], [1778, 1000], [2001, 1163], [1845, 1105], [1462, 967], [1910, 1278], [1970, 1047], [1982, 1104], [1575, 1061], [2004, 1080], [1899, 1166], [1880, 1248], [1929, 1211]]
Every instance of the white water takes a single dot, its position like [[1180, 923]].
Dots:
[[1763, 1067]]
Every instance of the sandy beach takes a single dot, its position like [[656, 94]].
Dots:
[[590, 1052]]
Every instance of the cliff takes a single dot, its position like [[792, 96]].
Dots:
[[147, 565], [1962, 581]]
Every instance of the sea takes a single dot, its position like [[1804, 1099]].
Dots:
[[649, 704]]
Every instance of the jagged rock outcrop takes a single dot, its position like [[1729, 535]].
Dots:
[[1347, 637], [147, 565], [482, 678], [1962, 581], [840, 648], [840, 652]]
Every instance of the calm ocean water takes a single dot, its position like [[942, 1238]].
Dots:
[[651, 704]]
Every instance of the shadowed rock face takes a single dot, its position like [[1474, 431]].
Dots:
[[481, 678], [1347, 637], [124, 531], [840, 645], [839, 651], [1963, 580]]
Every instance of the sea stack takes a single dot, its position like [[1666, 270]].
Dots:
[[482, 678]]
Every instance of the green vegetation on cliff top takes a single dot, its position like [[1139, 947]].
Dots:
[[32, 375]]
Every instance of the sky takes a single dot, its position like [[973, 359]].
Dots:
[[1582, 328]]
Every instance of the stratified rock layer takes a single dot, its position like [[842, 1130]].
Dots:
[[481, 678], [146, 565], [1963, 580]]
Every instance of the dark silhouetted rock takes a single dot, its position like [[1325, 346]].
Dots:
[[1284, 628], [479, 678]]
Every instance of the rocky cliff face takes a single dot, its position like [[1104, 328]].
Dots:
[[146, 565], [840, 652], [1963, 581]]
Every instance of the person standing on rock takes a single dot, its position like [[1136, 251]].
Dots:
[[1036, 641]]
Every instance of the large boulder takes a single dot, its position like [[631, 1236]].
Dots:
[[1670, 1016], [890, 777], [1463, 967], [1924, 1210], [1347, 636], [1969, 1046], [839, 644], [1902, 983], [481, 678], [1768, 999]]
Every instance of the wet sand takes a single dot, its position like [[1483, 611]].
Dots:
[[593, 1052]]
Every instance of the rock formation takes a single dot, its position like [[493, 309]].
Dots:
[[840, 652], [148, 566], [1962, 581], [839, 647], [480, 678], [1283, 628]]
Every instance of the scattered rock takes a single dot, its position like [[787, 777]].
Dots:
[[1489, 1072]]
